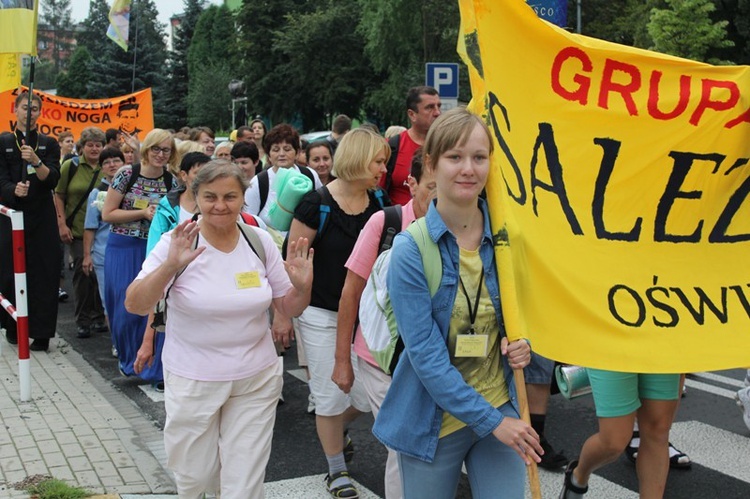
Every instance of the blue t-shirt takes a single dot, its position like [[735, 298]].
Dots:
[[94, 221]]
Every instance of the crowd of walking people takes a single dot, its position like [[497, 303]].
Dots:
[[205, 262]]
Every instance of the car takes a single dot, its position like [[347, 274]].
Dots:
[[313, 136]]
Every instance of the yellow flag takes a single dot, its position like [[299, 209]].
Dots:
[[619, 194], [119, 19], [10, 72], [18, 19]]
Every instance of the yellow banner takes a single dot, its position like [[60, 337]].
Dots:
[[132, 113], [18, 20], [10, 72], [619, 192]]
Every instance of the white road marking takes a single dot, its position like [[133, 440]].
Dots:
[[720, 450]]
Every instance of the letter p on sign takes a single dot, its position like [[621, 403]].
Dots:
[[444, 77]]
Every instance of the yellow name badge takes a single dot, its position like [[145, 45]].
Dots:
[[140, 204], [472, 345], [246, 280]]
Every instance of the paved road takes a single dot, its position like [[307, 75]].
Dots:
[[709, 428]]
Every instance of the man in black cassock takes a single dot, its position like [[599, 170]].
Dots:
[[27, 150]]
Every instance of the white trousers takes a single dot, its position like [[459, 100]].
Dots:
[[318, 328], [218, 433], [376, 384]]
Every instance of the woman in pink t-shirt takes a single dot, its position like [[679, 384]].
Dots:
[[222, 377]]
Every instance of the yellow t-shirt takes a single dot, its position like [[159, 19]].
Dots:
[[484, 374]]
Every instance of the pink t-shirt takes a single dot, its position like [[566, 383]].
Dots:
[[363, 257], [217, 311]]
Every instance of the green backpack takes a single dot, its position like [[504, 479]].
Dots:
[[376, 316]]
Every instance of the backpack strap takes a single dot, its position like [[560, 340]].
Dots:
[[103, 186], [69, 220], [135, 172], [428, 249], [136, 168], [307, 173], [380, 196], [391, 227], [432, 263], [394, 143], [263, 185], [168, 180], [74, 162], [326, 200], [253, 239]]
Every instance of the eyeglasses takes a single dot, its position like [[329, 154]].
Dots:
[[162, 150]]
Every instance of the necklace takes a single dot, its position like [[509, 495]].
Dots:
[[349, 210]]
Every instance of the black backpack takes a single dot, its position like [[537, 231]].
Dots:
[[394, 143]]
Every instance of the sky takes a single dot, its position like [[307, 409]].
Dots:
[[166, 8]]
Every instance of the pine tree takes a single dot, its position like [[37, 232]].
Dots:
[[92, 33], [177, 88], [111, 69]]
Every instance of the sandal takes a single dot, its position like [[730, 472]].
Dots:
[[678, 460], [568, 483], [345, 488]]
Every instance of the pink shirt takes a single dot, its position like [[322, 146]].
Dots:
[[363, 257], [217, 325]]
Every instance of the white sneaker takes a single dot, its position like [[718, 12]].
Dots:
[[311, 404], [743, 400]]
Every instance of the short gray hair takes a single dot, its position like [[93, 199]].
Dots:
[[92, 134], [216, 169]]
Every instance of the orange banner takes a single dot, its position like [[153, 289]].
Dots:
[[132, 113]]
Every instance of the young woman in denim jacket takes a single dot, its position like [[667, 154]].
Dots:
[[442, 409]]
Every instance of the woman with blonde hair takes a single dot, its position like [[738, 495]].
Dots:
[[450, 404], [347, 204], [129, 207]]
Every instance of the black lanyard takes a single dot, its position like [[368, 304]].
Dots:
[[473, 309]]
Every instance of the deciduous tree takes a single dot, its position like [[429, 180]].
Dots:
[[685, 29]]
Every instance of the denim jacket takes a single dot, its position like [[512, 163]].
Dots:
[[425, 383]]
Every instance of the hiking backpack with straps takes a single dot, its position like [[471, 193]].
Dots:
[[376, 317]]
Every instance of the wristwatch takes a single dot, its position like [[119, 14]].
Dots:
[[38, 164]]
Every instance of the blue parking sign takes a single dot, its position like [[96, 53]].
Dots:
[[444, 77]]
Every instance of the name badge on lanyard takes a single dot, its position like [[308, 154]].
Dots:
[[471, 344]]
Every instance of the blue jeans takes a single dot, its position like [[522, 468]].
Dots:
[[495, 470]]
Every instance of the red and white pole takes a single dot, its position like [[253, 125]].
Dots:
[[21, 312]]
